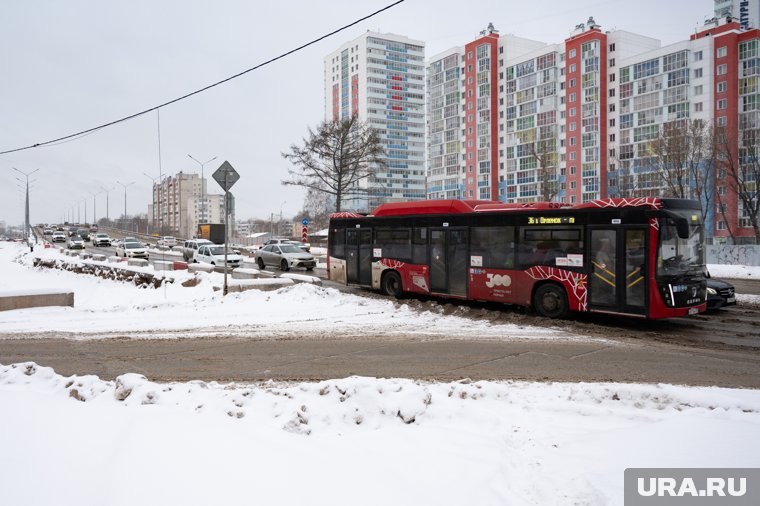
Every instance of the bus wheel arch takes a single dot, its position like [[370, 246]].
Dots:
[[550, 300], [391, 284]]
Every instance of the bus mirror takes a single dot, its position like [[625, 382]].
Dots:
[[682, 227]]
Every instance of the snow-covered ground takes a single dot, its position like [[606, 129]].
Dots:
[[84, 441]]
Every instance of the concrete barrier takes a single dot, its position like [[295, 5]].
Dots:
[[85, 255], [266, 285], [200, 268], [114, 259], [22, 299], [243, 273], [302, 278], [98, 258], [163, 265], [137, 262], [179, 266]]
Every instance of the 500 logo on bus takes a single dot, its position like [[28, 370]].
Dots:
[[498, 280]]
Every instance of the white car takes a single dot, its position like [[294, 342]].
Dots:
[[101, 239], [76, 242], [58, 237], [214, 254], [167, 241], [132, 249]]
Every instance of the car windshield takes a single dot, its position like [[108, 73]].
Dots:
[[101, 235], [219, 250], [677, 256], [133, 245], [290, 248]]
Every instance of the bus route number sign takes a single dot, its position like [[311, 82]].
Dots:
[[551, 220]]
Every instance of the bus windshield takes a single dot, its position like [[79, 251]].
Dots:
[[677, 256]]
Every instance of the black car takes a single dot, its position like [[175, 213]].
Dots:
[[719, 294]]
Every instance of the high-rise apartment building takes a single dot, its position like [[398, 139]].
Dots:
[[746, 12], [381, 78], [516, 120]]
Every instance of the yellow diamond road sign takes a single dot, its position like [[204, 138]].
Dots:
[[226, 176]]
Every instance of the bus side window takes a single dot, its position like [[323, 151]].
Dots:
[[419, 245], [338, 244], [394, 243], [495, 245]]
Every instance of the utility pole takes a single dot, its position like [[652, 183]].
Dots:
[[94, 219], [106, 190], [158, 201], [26, 204]]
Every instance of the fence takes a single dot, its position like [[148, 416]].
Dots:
[[733, 254]]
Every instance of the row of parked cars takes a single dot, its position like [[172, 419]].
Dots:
[[280, 253]]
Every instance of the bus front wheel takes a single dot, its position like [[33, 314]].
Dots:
[[391, 284], [551, 301]]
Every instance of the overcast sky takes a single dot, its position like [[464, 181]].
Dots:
[[69, 66]]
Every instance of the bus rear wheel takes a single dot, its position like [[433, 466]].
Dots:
[[391, 284], [551, 301]]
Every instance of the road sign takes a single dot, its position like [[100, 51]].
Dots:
[[305, 222], [305, 234], [226, 176]]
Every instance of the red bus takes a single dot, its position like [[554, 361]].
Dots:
[[639, 257]]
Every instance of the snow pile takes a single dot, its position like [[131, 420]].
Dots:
[[734, 271], [105, 308], [354, 440]]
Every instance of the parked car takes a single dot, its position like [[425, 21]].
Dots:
[[101, 239], [719, 294], [214, 254], [76, 242], [285, 256], [167, 241], [191, 246], [58, 237], [132, 249]]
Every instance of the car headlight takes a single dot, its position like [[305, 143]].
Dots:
[[711, 291]]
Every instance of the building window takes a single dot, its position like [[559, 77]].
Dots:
[[571, 54], [612, 122], [698, 73], [722, 225], [722, 69], [612, 107], [722, 104], [612, 137], [572, 97], [469, 55], [698, 56], [722, 121], [572, 68], [572, 112], [722, 86], [612, 92], [698, 90], [571, 84], [612, 62], [722, 52], [698, 107], [612, 47], [612, 78]]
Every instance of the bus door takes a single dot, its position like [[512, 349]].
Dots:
[[359, 256], [618, 280], [448, 261]]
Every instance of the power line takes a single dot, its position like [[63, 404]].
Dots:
[[146, 111]]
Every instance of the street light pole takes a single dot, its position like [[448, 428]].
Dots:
[[158, 201], [203, 188], [94, 219], [106, 190], [26, 204], [279, 223], [125, 199]]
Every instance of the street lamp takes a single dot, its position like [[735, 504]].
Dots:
[[26, 205], [279, 223], [106, 190], [203, 188], [125, 199], [94, 219], [158, 200]]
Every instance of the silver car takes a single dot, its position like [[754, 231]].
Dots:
[[132, 249], [284, 256]]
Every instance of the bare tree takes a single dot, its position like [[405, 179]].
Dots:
[[545, 153], [738, 154], [682, 154], [338, 159], [316, 209]]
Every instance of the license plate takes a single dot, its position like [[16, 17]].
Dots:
[[731, 299], [693, 310]]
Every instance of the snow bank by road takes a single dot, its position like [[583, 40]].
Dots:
[[354, 440], [106, 308]]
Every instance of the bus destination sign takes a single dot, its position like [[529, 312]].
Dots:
[[551, 220]]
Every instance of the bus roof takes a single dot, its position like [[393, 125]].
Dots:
[[419, 207]]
